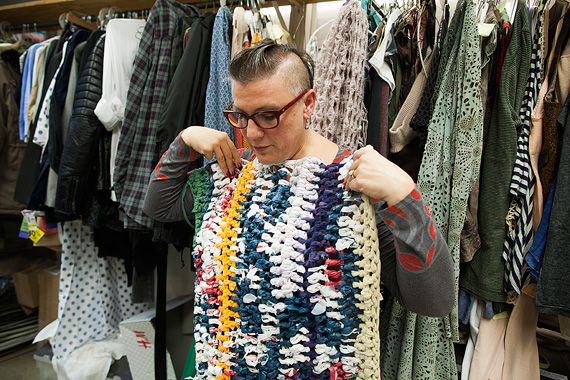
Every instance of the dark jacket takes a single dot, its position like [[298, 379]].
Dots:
[[11, 148], [80, 172]]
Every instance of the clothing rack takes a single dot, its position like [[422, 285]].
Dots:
[[88, 21]]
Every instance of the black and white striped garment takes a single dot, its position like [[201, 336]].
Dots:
[[519, 239]]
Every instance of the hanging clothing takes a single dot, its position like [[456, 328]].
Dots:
[[186, 97], [401, 134], [519, 238], [377, 101], [521, 348], [79, 160], [474, 322], [484, 275], [59, 127], [57, 101], [239, 30], [421, 118], [219, 92], [179, 41], [137, 149], [41, 134], [449, 170], [185, 106], [470, 239], [553, 293], [340, 114], [11, 147], [489, 354], [416, 346], [535, 253], [94, 296], [404, 143], [31, 163], [121, 45], [508, 348], [378, 60], [37, 81], [26, 88], [32, 180]]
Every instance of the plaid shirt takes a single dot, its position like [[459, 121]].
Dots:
[[137, 152]]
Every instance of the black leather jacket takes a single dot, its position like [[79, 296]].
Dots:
[[84, 167]]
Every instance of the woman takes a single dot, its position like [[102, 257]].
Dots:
[[291, 164]]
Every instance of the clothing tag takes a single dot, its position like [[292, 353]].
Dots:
[[36, 235], [485, 29], [30, 219], [24, 230]]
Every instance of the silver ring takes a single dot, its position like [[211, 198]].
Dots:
[[351, 174]]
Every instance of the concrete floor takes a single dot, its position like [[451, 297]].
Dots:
[[20, 364]]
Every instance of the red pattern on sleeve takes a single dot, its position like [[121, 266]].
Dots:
[[396, 210], [342, 156], [430, 255], [411, 260], [416, 194], [389, 222]]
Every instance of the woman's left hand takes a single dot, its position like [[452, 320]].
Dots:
[[376, 176]]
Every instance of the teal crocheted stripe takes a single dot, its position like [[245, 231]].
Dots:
[[201, 194]]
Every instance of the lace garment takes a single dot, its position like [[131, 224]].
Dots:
[[414, 346]]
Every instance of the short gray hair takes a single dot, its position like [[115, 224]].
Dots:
[[264, 59]]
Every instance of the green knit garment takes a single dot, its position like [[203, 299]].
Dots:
[[416, 346], [483, 277]]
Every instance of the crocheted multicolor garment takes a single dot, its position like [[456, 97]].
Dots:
[[288, 273]]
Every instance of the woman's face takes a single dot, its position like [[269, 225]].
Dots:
[[289, 138]]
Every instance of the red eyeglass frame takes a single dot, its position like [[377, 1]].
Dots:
[[227, 112]]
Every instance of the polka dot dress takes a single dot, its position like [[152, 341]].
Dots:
[[93, 293]]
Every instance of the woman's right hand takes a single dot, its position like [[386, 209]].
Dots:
[[208, 142]]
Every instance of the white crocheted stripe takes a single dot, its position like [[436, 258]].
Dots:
[[368, 344]]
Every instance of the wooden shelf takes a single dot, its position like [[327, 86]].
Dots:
[[42, 11]]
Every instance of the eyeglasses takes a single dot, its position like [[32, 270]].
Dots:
[[263, 119]]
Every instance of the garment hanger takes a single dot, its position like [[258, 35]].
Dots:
[[4, 35], [114, 12], [75, 19], [420, 13], [377, 9], [102, 18]]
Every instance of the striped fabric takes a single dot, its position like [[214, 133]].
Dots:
[[519, 238]]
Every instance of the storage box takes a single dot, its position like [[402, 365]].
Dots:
[[48, 280], [138, 335], [26, 284], [50, 241]]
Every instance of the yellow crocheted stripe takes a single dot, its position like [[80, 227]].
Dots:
[[368, 341], [228, 318]]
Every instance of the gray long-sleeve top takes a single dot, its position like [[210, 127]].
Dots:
[[416, 264]]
